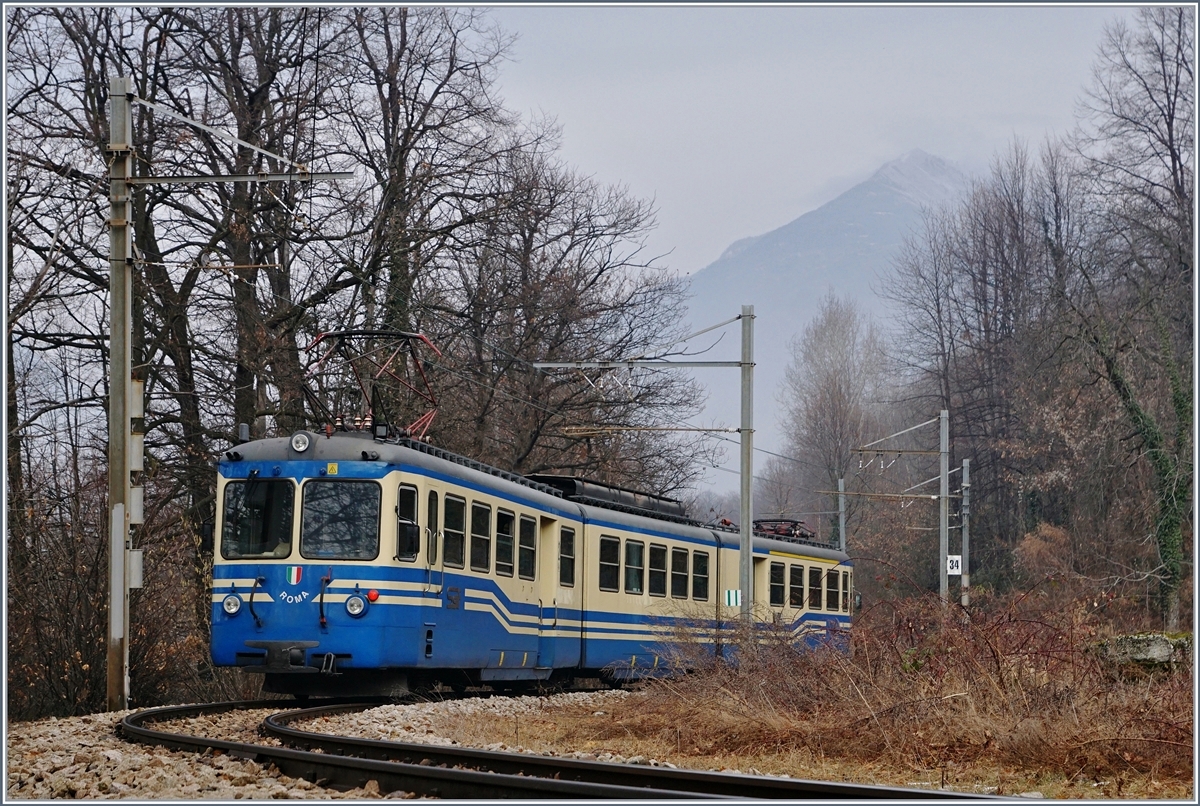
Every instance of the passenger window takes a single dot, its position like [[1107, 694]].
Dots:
[[432, 525], [796, 583], [481, 538], [814, 588], [610, 563], [455, 532], [700, 576], [504, 543], [845, 591], [566, 557], [340, 520], [658, 570], [527, 553], [257, 519], [831, 591], [635, 565], [679, 573], [776, 584], [408, 534]]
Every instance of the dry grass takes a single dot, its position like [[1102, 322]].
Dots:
[[1008, 701]]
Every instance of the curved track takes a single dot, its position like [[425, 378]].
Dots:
[[455, 772]]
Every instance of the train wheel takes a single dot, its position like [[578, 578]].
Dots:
[[515, 689]]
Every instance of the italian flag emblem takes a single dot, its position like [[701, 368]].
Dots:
[[293, 574]]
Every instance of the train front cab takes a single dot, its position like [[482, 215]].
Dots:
[[308, 573]]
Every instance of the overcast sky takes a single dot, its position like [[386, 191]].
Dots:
[[738, 119]]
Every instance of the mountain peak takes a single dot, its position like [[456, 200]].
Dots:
[[922, 178], [846, 244]]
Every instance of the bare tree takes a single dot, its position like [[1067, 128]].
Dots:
[[827, 393], [1129, 295], [232, 281], [559, 275]]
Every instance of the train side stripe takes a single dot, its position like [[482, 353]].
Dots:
[[259, 595]]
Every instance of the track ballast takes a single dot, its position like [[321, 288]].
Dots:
[[343, 762]]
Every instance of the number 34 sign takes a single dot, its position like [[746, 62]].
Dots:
[[954, 565]]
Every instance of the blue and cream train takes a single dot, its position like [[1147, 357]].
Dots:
[[346, 563]]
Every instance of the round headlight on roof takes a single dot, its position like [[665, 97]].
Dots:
[[300, 442]]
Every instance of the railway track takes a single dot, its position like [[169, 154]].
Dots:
[[344, 762]]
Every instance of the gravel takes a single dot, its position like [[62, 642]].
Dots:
[[420, 722], [83, 758]]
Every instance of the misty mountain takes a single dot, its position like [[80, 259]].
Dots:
[[846, 246]]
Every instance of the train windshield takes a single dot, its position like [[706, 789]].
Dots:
[[257, 519], [340, 520]]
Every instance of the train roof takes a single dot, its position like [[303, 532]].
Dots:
[[619, 505], [581, 489]]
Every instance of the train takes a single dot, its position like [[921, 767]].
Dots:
[[352, 560]]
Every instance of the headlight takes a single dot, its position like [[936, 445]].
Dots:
[[300, 442], [232, 604], [356, 605]]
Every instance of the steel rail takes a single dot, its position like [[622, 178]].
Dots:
[[343, 771], [681, 782]]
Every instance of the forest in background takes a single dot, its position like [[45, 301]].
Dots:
[[1050, 312]]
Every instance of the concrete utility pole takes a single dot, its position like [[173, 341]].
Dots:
[[746, 365], [944, 505], [966, 532], [120, 151], [126, 412], [746, 557]]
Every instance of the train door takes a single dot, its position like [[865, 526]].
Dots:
[[758, 584], [432, 532], [560, 582]]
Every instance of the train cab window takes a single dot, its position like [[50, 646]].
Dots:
[[700, 576], [831, 591], [527, 550], [504, 543], [408, 534], [454, 532], [610, 563], [814, 588], [339, 520], [432, 526], [481, 537], [635, 565], [776, 584], [257, 519], [845, 591], [566, 557], [658, 570], [679, 573], [796, 586]]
